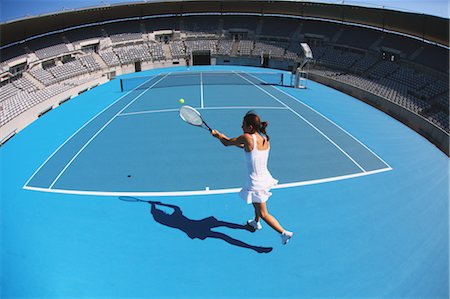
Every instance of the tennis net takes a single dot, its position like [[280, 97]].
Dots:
[[201, 78]]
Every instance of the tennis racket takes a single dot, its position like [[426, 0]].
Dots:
[[193, 117]]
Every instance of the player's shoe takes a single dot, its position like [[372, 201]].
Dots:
[[254, 224], [286, 236]]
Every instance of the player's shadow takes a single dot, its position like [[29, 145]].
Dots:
[[200, 229]]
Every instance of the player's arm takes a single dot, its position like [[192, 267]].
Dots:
[[240, 141]]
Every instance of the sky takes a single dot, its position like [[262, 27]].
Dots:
[[15, 9]]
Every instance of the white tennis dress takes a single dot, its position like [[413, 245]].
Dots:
[[259, 181]]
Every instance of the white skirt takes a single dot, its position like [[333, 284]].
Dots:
[[259, 192]]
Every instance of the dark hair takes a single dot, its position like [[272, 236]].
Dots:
[[251, 118]]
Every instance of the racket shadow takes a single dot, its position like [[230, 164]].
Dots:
[[199, 229]]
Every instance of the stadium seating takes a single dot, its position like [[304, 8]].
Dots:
[[195, 45], [177, 49], [417, 80], [90, 63], [124, 37], [132, 53], [67, 70], [224, 47], [274, 49], [22, 101], [157, 51], [110, 58], [52, 51], [43, 76], [246, 47], [7, 91]]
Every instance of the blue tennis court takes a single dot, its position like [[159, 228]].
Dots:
[[366, 196], [164, 155]]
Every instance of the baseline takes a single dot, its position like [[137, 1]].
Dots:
[[207, 190]]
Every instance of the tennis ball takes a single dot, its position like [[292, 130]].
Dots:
[[181, 101]]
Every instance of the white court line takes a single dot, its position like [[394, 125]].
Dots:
[[101, 129], [308, 122], [203, 192], [199, 108], [76, 132], [242, 107], [148, 112], [201, 91], [312, 109]]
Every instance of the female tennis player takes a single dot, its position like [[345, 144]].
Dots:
[[255, 143]]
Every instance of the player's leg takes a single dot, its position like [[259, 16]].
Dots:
[[255, 222], [261, 211]]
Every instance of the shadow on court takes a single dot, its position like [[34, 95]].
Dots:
[[197, 229]]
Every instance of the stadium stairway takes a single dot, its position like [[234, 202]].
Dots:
[[167, 52], [234, 48]]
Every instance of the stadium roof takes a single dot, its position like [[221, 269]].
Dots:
[[12, 10], [422, 26]]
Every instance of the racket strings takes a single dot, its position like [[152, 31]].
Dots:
[[191, 116]]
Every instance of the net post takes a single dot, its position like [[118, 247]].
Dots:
[[121, 85]]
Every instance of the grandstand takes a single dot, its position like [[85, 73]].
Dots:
[[380, 62]]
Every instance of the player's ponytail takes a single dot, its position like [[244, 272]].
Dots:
[[264, 125], [252, 119]]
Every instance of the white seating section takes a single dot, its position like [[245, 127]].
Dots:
[[177, 49], [224, 47], [68, 70], [109, 57], [201, 45], [276, 51], [133, 53], [90, 63], [123, 37], [51, 51], [43, 76], [245, 47], [22, 101], [156, 50], [8, 90]]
